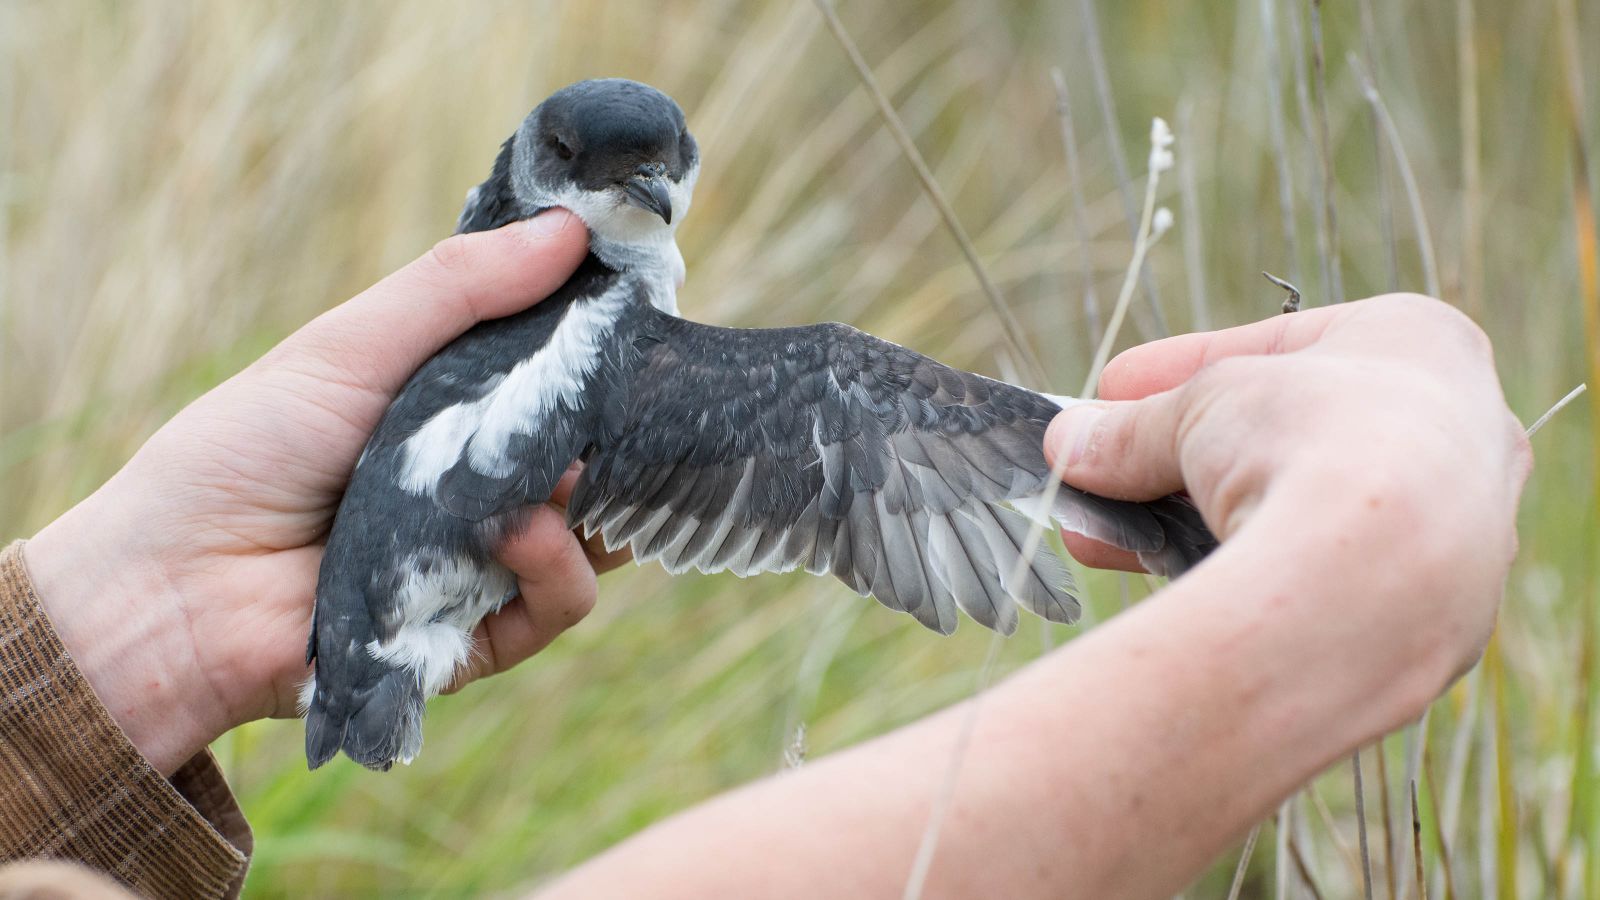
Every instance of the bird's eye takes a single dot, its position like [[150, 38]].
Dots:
[[561, 149]]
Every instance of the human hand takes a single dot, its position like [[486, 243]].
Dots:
[[183, 587], [1373, 435]]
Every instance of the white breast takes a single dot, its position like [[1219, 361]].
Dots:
[[517, 403]]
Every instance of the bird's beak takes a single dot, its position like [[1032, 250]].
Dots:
[[649, 192]]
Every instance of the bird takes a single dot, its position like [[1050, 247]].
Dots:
[[816, 447]]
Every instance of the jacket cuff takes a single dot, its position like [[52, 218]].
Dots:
[[73, 787]]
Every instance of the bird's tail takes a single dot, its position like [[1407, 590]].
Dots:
[[368, 707]]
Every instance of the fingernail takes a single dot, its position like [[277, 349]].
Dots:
[[1074, 429], [549, 223]]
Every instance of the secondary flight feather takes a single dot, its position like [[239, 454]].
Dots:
[[720, 449]]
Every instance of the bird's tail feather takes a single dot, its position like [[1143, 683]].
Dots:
[[368, 707], [380, 725]]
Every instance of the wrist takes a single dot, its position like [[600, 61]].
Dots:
[[119, 616]]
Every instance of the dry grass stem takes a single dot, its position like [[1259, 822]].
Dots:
[[1443, 871], [1332, 278], [1280, 141], [1189, 190], [891, 120], [1419, 216], [1380, 161], [1471, 160], [1416, 841], [1119, 162], [1560, 405], [1280, 855], [1302, 868], [1388, 818], [1143, 240], [1365, 863], [1243, 865], [1069, 144], [1351, 856], [917, 880]]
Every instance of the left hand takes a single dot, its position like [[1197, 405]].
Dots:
[[183, 587]]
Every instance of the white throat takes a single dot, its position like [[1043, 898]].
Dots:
[[630, 239]]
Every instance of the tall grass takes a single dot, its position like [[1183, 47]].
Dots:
[[184, 183]]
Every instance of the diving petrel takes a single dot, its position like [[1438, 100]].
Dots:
[[750, 450]]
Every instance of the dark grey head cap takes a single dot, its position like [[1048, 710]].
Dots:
[[601, 133]]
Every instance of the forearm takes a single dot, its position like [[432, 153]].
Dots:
[[1119, 766]]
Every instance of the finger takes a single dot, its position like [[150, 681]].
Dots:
[[378, 338], [600, 559], [1099, 555], [1163, 365], [555, 590], [1125, 450]]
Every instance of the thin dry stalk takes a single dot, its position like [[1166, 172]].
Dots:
[[1506, 832], [1438, 828], [1471, 160], [1416, 841], [1108, 116], [1193, 251], [1361, 823], [1243, 865], [1308, 127], [1449, 815], [1560, 405], [1388, 818], [1488, 869], [1281, 863], [1332, 280], [1080, 217], [1280, 140], [923, 863], [1143, 240], [1419, 217], [1346, 852], [1013, 329], [1416, 740], [1302, 868], [1380, 161]]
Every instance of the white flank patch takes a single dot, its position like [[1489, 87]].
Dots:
[[515, 404], [308, 690], [440, 607]]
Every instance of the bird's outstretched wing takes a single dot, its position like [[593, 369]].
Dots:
[[825, 448]]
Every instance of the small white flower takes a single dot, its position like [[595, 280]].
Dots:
[[1161, 222], [1161, 141], [1160, 134]]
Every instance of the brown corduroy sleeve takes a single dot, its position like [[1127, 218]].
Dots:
[[72, 787]]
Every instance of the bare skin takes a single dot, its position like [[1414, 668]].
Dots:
[[1358, 461]]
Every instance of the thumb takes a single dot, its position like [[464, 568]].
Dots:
[[379, 337], [1126, 450]]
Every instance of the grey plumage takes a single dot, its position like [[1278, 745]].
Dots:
[[746, 450]]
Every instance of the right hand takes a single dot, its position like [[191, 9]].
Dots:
[[1372, 436]]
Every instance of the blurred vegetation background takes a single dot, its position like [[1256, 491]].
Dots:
[[185, 183]]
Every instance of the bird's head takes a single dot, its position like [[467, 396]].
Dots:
[[616, 152]]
